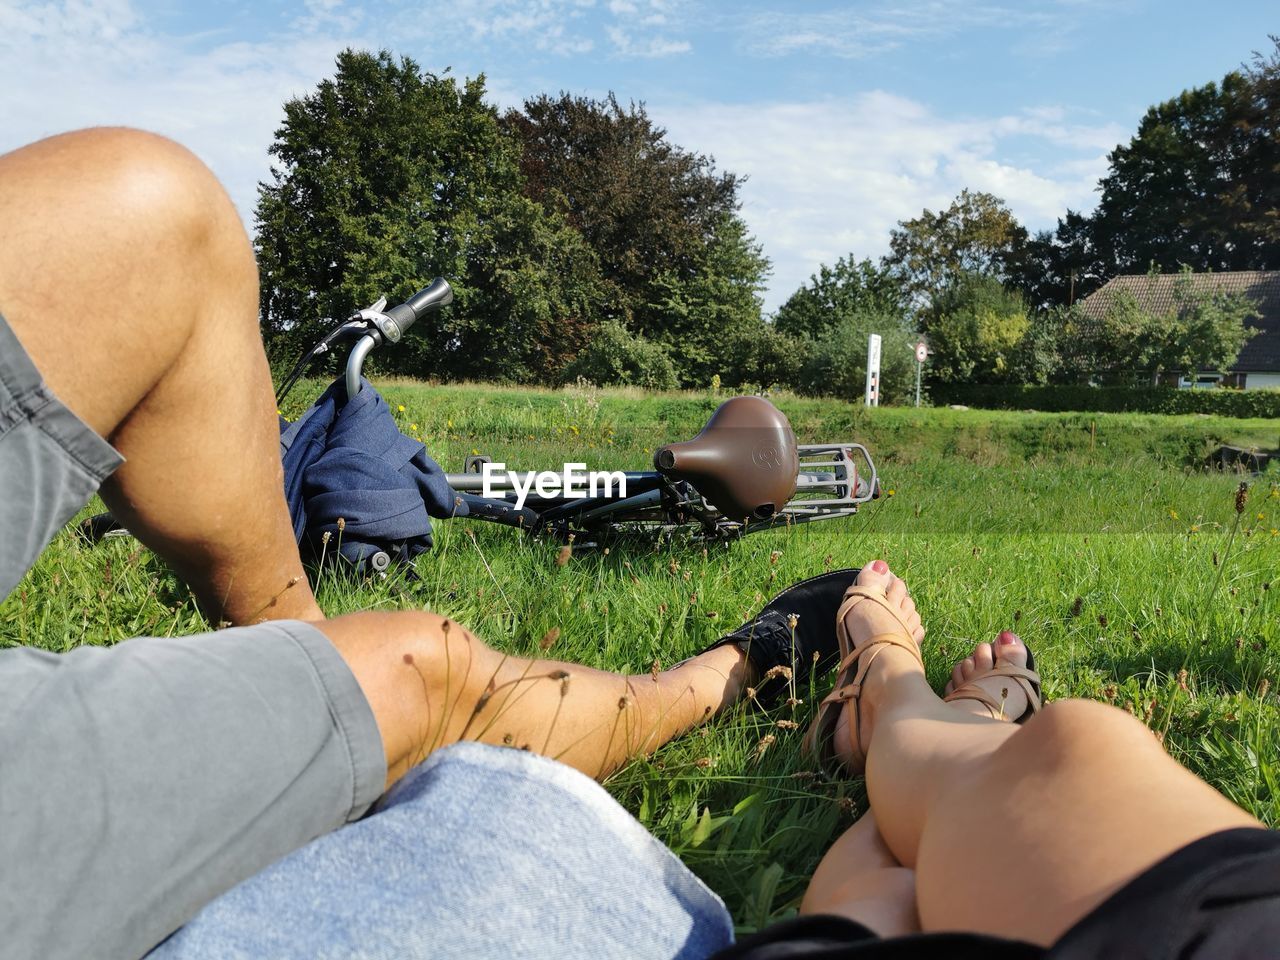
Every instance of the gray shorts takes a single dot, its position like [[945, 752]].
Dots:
[[50, 462], [139, 782]]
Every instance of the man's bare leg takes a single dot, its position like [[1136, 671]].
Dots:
[[431, 682], [126, 274], [1066, 809]]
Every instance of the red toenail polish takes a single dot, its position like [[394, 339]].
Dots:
[[879, 566], [1007, 637]]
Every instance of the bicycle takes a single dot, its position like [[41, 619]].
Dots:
[[743, 473]]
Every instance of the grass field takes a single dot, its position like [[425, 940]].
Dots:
[[1099, 538]]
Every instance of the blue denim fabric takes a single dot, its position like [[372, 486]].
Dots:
[[480, 852], [346, 461]]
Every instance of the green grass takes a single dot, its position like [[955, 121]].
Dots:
[[1099, 538]]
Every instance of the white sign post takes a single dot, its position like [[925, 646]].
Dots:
[[873, 370], [922, 352]]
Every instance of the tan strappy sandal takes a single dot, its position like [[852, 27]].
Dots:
[[819, 741], [1025, 677]]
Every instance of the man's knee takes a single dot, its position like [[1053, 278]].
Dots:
[[129, 180], [406, 644]]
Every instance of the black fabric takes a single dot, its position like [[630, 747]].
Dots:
[[820, 937], [1215, 899]]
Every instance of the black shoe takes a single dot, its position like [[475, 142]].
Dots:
[[771, 641]]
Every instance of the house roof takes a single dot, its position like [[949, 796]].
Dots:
[[1155, 294]]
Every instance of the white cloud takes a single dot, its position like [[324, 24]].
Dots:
[[830, 178], [856, 33], [96, 63], [633, 35], [328, 15], [628, 45]]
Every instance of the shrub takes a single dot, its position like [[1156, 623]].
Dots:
[[615, 355], [1058, 398], [975, 327], [836, 364]]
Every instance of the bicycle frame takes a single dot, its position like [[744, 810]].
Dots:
[[828, 486]]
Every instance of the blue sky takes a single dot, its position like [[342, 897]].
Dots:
[[846, 117]]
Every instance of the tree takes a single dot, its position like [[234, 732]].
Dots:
[[834, 293], [836, 363], [1204, 330], [615, 355], [658, 217], [974, 328], [977, 234], [1197, 185], [1062, 266], [386, 177], [717, 307]]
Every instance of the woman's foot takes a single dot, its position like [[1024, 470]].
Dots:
[[989, 682], [863, 623]]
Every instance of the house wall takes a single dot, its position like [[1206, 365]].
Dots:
[[1262, 381]]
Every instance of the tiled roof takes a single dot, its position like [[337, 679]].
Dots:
[[1155, 294]]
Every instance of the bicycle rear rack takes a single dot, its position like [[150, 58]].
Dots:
[[828, 484]]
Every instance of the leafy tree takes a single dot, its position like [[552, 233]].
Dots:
[[1203, 330], [974, 328], [1041, 355], [714, 312], [834, 293], [1197, 185], [770, 357], [836, 363], [977, 234], [652, 212], [615, 355], [1062, 266], [386, 177]]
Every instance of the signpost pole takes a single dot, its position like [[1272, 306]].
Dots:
[[872, 396], [922, 351]]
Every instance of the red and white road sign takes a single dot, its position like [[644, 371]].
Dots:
[[922, 351]]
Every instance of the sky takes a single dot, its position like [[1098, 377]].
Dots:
[[844, 117]]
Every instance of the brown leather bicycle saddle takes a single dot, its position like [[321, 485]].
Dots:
[[744, 462]]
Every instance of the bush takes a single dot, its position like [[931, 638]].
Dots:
[[617, 356], [1224, 403], [836, 364], [975, 327]]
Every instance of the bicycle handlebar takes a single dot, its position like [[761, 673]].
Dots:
[[406, 314], [390, 326]]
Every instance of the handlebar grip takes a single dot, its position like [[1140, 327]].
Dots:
[[406, 314]]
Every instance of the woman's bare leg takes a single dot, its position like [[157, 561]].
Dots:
[[1066, 808], [126, 274], [431, 682], [859, 878]]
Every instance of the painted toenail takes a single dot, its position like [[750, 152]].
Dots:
[[879, 566], [1007, 637]]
